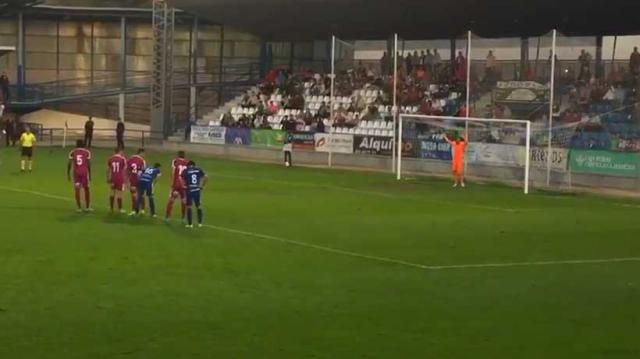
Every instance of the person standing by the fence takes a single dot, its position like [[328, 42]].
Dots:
[[88, 132], [120, 133], [287, 149], [7, 127], [4, 87]]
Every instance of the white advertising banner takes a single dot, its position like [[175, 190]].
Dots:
[[559, 158], [337, 143], [213, 135], [514, 155], [495, 154]]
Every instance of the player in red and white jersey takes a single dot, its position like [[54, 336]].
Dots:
[[80, 163], [135, 165], [116, 174], [178, 165]]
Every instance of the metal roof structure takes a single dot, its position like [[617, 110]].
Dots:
[[417, 19]]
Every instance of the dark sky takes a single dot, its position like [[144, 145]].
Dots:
[[419, 19]]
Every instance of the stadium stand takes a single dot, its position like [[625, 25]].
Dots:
[[362, 103]]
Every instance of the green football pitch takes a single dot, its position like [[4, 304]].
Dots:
[[315, 263]]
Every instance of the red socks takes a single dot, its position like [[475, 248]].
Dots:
[[78, 198], [87, 197], [169, 209], [133, 201]]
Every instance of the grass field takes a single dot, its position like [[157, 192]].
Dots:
[[312, 263]]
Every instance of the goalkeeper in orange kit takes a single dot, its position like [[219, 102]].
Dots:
[[458, 149]]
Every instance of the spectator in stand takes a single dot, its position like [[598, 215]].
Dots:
[[4, 88], [307, 116], [461, 68], [265, 123], [281, 79], [426, 108], [408, 63], [634, 62], [617, 76], [370, 74], [320, 126], [273, 107], [423, 58], [272, 75], [490, 68], [323, 111], [227, 120], [384, 64], [361, 72], [428, 61], [585, 66], [437, 64]]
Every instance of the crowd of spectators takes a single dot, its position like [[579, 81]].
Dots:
[[605, 110], [362, 94]]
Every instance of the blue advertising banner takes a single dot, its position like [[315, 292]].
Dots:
[[238, 136], [435, 149]]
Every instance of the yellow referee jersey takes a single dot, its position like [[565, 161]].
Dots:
[[27, 139]]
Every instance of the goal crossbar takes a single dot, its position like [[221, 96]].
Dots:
[[526, 123]]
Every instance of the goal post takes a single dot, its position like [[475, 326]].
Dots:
[[499, 149]]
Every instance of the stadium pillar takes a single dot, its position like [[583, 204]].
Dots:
[[57, 52], [524, 59], [552, 88], [452, 60], [221, 67], [193, 70], [21, 71], [292, 52], [123, 67], [92, 51], [263, 59], [162, 69], [599, 61]]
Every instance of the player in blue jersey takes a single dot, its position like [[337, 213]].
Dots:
[[146, 180], [194, 180]]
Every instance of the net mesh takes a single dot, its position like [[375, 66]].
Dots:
[[496, 151]]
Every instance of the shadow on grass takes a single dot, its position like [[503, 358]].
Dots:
[[73, 217]]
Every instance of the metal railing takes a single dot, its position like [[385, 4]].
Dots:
[[136, 82], [66, 137]]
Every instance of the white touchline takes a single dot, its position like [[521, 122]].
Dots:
[[372, 257]]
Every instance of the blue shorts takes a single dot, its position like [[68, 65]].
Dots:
[[145, 188], [193, 198]]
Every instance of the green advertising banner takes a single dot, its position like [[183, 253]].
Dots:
[[267, 138], [605, 162]]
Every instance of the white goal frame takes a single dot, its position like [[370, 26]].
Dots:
[[527, 124]]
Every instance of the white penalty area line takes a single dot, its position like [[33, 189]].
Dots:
[[630, 205], [372, 257]]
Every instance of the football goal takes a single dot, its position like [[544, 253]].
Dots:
[[498, 150]]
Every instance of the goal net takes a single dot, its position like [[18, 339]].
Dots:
[[497, 149]]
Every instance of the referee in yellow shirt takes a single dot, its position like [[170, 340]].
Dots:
[[27, 141]]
